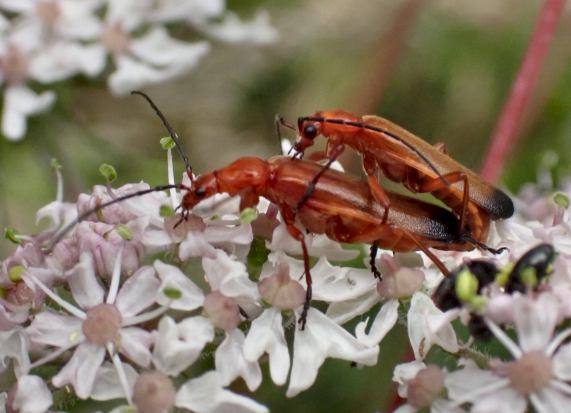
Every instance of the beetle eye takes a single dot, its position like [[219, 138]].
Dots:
[[200, 192], [310, 131]]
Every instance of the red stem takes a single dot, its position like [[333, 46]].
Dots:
[[505, 135]]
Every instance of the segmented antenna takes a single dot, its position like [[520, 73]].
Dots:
[[171, 131], [61, 234], [279, 121]]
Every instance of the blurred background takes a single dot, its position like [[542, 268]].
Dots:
[[440, 68]]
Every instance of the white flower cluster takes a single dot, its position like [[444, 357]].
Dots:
[[115, 307], [43, 42]]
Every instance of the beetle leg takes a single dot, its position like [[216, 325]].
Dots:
[[371, 168], [333, 155], [248, 199], [429, 253], [435, 184], [289, 219], [373, 254]]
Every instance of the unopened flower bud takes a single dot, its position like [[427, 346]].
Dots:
[[281, 291], [153, 393], [264, 225], [531, 373], [102, 324], [425, 387], [404, 283], [177, 227], [20, 294], [115, 38], [223, 311], [49, 11], [65, 255]]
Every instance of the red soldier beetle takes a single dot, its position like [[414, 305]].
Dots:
[[341, 206], [405, 158]]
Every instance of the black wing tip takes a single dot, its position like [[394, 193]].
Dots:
[[503, 206]]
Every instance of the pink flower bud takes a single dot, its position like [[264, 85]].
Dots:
[[153, 393], [102, 324], [178, 229], [264, 225], [281, 291], [425, 387], [20, 294], [103, 242], [113, 214], [64, 255], [223, 311]]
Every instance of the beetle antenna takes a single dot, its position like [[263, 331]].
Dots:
[[481, 245], [381, 130], [279, 121], [171, 131], [63, 232]]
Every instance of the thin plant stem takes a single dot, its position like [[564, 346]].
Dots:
[[506, 133], [385, 59]]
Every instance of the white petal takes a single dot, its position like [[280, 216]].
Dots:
[[427, 325], [177, 346], [133, 74], [384, 321], [233, 30], [138, 292], [562, 362], [85, 288], [463, 383], [323, 338], [56, 213], [266, 335], [405, 372], [78, 19], [159, 49], [81, 369], [347, 310], [18, 6], [172, 278], [231, 363], [19, 103], [506, 400], [107, 385], [14, 345], [55, 329], [230, 277], [136, 344], [221, 236], [318, 245], [551, 400], [156, 239], [62, 60], [129, 13], [32, 395], [406, 408], [194, 10], [535, 320], [333, 283], [196, 245], [206, 394]]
